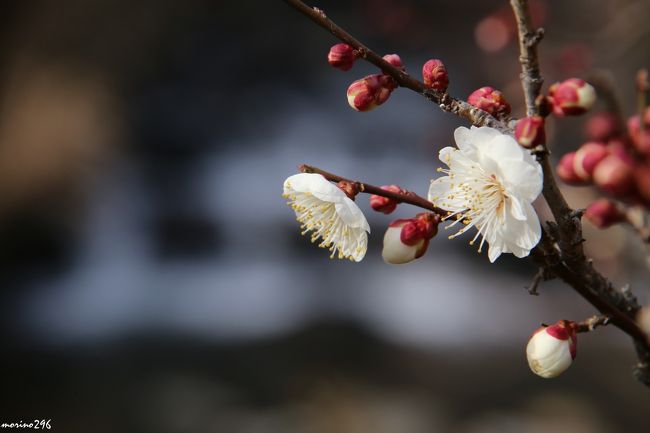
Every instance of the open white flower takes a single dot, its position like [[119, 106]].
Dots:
[[490, 184], [325, 210]]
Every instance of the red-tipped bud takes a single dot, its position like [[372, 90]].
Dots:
[[572, 97], [529, 131], [490, 100], [435, 75], [587, 158], [552, 349], [603, 213], [395, 60], [342, 56], [614, 175], [602, 126], [407, 239], [370, 92], [640, 139], [384, 204], [565, 170]]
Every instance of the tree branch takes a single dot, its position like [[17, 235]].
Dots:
[[564, 257], [401, 197], [443, 100]]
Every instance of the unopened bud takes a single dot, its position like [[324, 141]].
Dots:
[[587, 158], [640, 138], [572, 97], [565, 170], [552, 349], [603, 213], [384, 204], [342, 56], [614, 176], [529, 131], [395, 60], [370, 92], [407, 239], [435, 75], [490, 100], [351, 189], [602, 126]]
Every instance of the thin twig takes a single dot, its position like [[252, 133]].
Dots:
[[443, 100], [592, 323], [401, 197]]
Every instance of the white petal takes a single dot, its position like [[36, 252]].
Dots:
[[521, 178], [441, 192], [516, 209], [315, 184], [351, 214], [495, 251], [394, 250]]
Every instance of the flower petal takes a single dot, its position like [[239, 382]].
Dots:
[[351, 215]]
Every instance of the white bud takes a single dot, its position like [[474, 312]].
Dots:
[[552, 349]]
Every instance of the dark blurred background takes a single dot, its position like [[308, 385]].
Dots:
[[153, 280]]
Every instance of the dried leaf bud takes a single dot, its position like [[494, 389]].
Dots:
[[384, 204], [552, 349], [351, 189], [603, 213], [529, 131], [341, 56], [370, 92], [602, 126], [572, 97], [614, 175], [395, 60], [641, 141], [587, 158], [490, 100], [435, 75], [565, 170], [407, 239]]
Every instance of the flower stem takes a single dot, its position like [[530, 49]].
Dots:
[[401, 197]]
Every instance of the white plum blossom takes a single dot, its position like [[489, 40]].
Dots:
[[490, 184], [324, 209]]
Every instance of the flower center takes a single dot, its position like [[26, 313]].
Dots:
[[483, 198]]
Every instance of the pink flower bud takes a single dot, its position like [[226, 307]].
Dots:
[[572, 97], [435, 75], [407, 239], [587, 158], [490, 100], [384, 204], [370, 92], [614, 176], [602, 126], [603, 213], [529, 131], [565, 170], [342, 56], [552, 349], [395, 60], [641, 141]]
